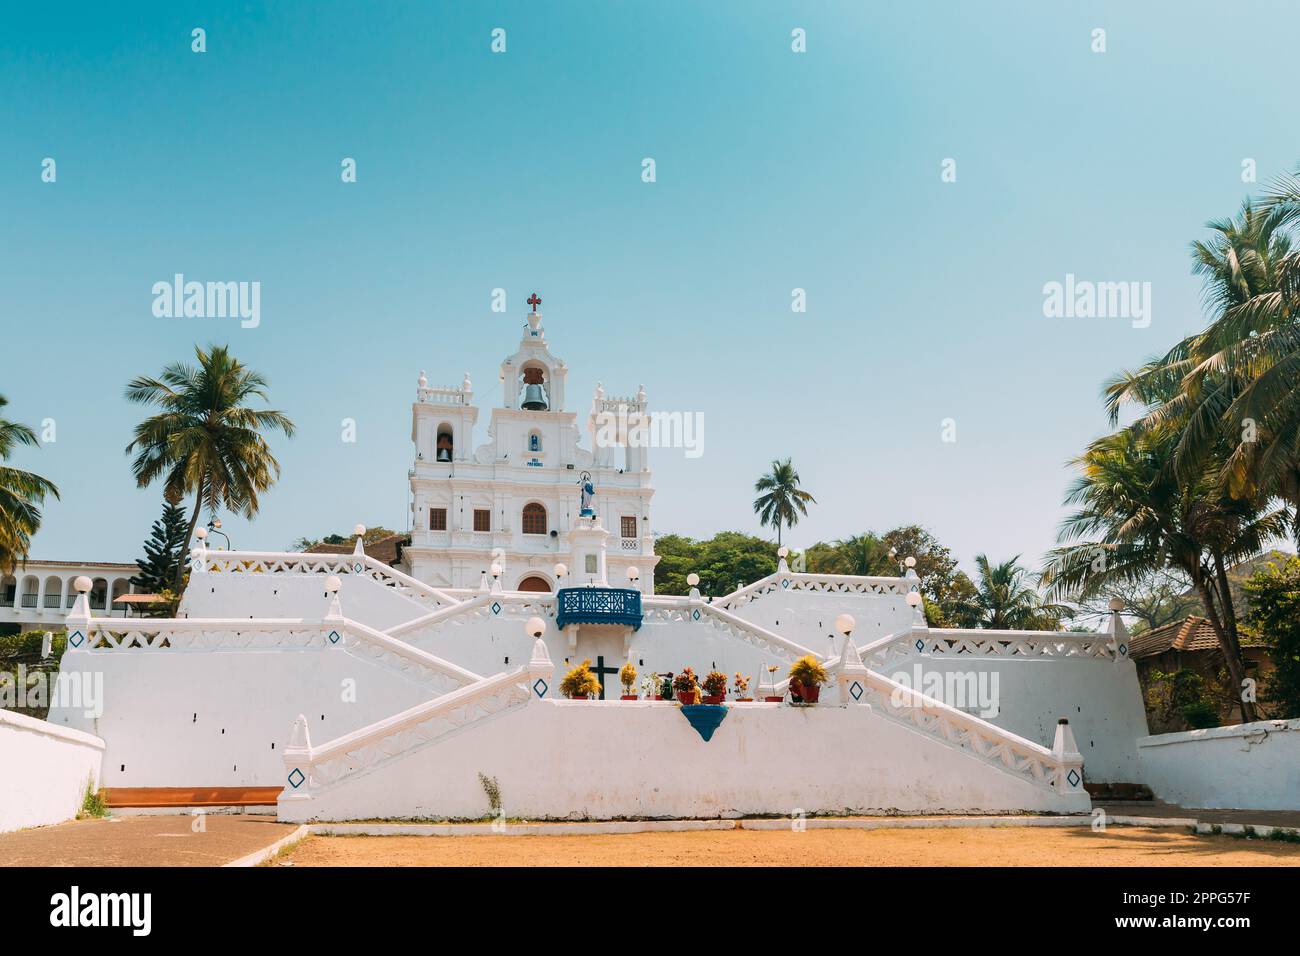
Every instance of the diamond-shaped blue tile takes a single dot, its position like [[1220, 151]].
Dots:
[[540, 688], [296, 778], [334, 637], [920, 645], [76, 638], [358, 567], [785, 582], [695, 615], [1073, 777], [1123, 649], [856, 690], [496, 608]]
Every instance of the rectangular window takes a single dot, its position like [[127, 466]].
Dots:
[[437, 519], [482, 519], [591, 564], [629, 526]]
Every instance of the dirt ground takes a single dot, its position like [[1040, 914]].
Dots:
[[1012, 846], [142, 841]]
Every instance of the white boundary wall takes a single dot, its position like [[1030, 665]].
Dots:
[[1248, 767], [45, 770], [592, 760]]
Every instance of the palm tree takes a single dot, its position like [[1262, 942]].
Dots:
[[1007, 600], [1134, 517], [781, 501], [205, 441], [21, 494], [863, 554], [1235, 383]]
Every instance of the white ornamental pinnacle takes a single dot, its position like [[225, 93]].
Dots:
[[640, 394], [600, 391], [299, 737], [466, 385], [423, 381], [541, 658]]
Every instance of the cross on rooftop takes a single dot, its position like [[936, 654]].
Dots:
[[534, 300]]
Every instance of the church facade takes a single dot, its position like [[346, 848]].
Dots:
[[510, 508]]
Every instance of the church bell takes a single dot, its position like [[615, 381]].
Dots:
[[534, 398]]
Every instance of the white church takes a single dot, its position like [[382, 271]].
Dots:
[[341, 687], [511, 504]]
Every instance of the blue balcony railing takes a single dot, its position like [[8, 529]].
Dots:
[[598, 606]]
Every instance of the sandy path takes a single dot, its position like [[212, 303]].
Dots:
[[1023, 846]]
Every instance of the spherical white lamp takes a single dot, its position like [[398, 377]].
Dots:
[[844, 624], [914, 599], [561, 570], [495, 570], [693, 579], [332, 584], [201, 534], [83, 584], [359, 530], [1116, 604], [909, 561], [534, 627], [782, 551], [216, 523], [633, 573]]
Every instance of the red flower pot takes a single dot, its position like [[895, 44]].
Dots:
[[659, 696], [744, 700], [807, 693], [578, 697], [628, 697], [686, 696], [714, 698], [774, 700]]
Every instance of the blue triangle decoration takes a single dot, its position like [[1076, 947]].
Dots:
[[705, 718]]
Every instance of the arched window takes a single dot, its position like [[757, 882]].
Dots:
[[534, 518], [535, 584]]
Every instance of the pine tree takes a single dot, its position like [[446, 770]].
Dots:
[[166, 546]]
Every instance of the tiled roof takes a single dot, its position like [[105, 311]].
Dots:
[[387, 550], [1190, 634]]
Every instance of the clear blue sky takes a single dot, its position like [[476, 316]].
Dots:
[[522, 171]]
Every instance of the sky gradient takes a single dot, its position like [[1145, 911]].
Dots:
[[522, 171]]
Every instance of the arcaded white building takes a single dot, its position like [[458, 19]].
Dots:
[[513, 502]]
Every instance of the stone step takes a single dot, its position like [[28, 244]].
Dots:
[[1118, 791], [153, 797]]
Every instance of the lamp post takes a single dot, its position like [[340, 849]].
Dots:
[[214, 527]]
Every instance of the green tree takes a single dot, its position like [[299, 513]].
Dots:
[[205, 440], [781, 501], [1134, 517], [163, 550], [21, 495], [863, 554], [377, 533], [1007, 599], [1274, 618], [725, 562]]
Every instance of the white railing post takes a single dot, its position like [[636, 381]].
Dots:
[[332, 623], [1119, 638], [1069, 762], [540, 668], [851, 674], [77, 623], [297, 763]]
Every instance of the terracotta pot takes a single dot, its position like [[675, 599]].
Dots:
[[628, 697], [686, 696], [578, 697], [714, 698], [744, 700], [773, 700], [807, 693], [659, 696]]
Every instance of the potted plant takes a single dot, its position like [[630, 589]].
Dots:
[[686, 686], [627, 677], [740, 687], [580, 683], [650, 685], [806, 678], [772, 696], [715, 687], [665, 687]]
